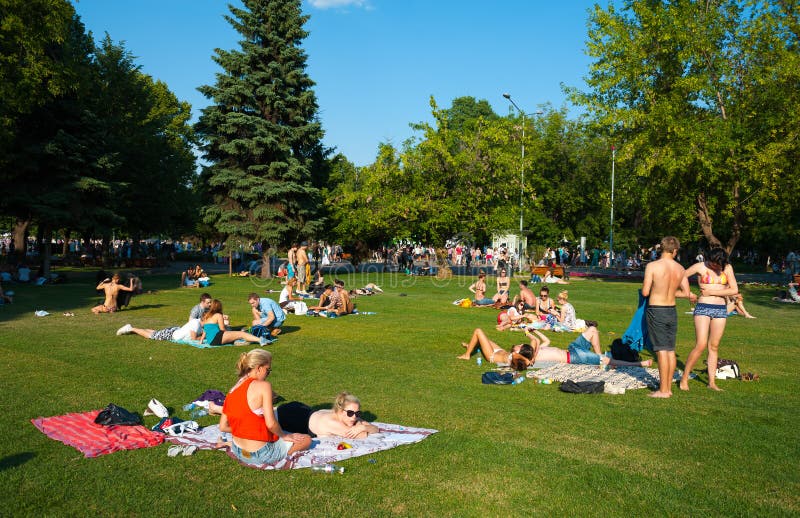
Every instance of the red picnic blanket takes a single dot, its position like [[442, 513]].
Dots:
[[81, 432]]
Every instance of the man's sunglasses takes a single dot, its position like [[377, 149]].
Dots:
[[351, 413]]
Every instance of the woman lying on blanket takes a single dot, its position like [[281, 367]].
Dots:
[[247, 414], [584, 350], [343, 420], [214, 332]]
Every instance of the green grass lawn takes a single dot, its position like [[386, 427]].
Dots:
[[500, 450]]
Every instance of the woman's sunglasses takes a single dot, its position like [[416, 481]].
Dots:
[[351, 413]]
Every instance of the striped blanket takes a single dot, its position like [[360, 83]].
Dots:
[[323, 449], [624, 377], [80, 431]]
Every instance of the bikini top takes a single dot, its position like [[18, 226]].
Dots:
[[710, 278]]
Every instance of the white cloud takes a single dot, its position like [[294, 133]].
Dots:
[[330, 4]]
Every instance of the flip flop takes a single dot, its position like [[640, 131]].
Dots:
[[174, 450], [189, 449]]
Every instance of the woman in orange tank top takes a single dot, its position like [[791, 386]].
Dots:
[[247, 414]]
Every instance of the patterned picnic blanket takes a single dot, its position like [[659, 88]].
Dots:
[[80, 431], [323, 449], [628, 378]]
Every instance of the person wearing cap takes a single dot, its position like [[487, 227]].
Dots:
[[302, 268]]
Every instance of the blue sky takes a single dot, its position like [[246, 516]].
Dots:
[[375, 62]]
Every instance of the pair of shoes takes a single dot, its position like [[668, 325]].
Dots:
[[154, 407], [181, 449], [613, 389], [125, 330], [749, 376]]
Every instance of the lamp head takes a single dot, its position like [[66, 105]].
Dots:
[[507, 96]]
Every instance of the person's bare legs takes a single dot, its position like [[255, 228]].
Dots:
[[717, 328], [740, 309], [701, 331], [621, 363], [232, 336], [666, 370], [144, 333], [479, 339]]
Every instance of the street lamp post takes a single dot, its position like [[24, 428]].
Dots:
[[521, 182], [611, 232]]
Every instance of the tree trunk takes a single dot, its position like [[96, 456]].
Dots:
[[47, 236], [20, 243], [266, 264], [704, 218], [65, 247]]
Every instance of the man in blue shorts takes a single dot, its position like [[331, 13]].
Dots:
[[267, 313]]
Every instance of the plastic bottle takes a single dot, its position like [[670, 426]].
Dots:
[[198, 412], [546, 381], [479, 361], [328, 468], [518, 380]]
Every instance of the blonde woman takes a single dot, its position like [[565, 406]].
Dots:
[[247, 414], [566, 317], [343, 420]]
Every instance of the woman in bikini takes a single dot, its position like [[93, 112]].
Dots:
[[519, 357], [503, 282], [479, 289], [717, 281]]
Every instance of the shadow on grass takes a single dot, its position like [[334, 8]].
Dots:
[[18, 459], [146, 306]]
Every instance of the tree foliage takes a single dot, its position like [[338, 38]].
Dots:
[[261, 135], [688, 90]]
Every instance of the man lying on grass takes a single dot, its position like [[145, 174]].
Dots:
[[584, 350]]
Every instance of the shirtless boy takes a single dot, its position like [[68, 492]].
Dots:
[[526, 295], [301, 257], [111, 287], [664, 280]]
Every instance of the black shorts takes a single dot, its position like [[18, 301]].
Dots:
[[662, 327], [293, 417]]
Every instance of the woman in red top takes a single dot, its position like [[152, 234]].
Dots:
[[257, 437]]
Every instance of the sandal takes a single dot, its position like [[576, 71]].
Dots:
[[749, 376]]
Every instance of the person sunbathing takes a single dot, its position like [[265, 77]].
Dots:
[[735, 306], [584, 350], [214, 329], [513, 316], [189, 331], [256, 435], [343, 420], [552, 279], [519, 357], [111, 287]]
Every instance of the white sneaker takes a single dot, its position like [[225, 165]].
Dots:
[[124, 330], [156, 408]]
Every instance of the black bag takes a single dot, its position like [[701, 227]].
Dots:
[[495, 378], [293, 417], [622, 351], [116, 415], [583, 387]]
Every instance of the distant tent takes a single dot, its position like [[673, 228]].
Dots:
[[635, 336]]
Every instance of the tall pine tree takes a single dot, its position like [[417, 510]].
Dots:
[[261, 136]]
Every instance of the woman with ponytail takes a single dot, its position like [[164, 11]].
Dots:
[[247, 414]]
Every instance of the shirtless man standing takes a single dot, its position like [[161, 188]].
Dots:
[[664, 280], [111, 287], [302, 268]]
